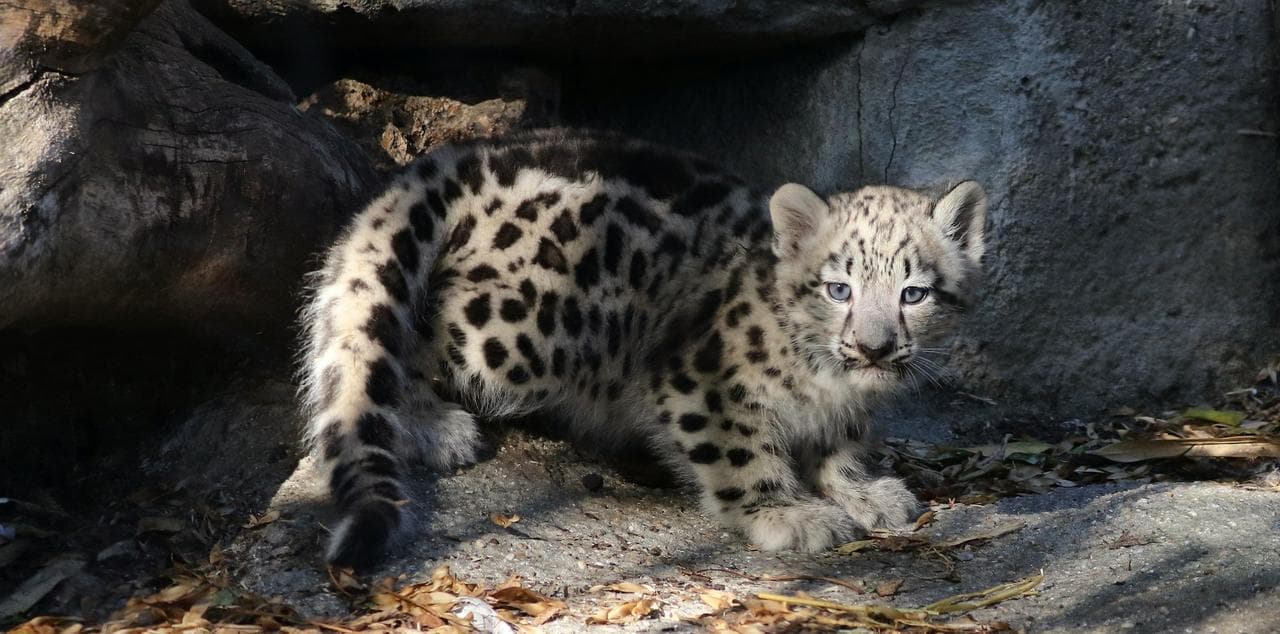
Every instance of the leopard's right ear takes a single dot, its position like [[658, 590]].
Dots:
[[798, 214], [962, 215]]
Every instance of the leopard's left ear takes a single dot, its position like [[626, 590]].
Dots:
[[798, 214], [962, 214]]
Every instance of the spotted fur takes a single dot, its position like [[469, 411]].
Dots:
[[642, 296]]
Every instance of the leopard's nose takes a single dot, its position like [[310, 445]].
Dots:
[[876, 350]]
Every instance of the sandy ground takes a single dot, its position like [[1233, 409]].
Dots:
[[1167, 557]]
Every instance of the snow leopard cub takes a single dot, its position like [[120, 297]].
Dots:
[[639, 294]]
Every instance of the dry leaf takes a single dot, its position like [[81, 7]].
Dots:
[[1228, 447], [525, 600], [889, 588], [551, 613], [856, 546], [49, 625], [925, 519], [215, 555], [717, 599], [344, 580], [263, 520], [504, 521], [1008, 449], [1221, 417], [628, 612]]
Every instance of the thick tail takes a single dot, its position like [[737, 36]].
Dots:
[[359, 331]]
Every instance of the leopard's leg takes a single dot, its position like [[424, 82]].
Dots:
[[745, 475], [875, 502]]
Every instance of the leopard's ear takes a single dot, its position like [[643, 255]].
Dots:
[[962, 214], [798, 215]]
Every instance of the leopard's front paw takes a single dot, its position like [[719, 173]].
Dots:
[[809, 526], [451, 440], [882, 503]]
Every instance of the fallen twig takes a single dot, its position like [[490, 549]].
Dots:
[[860, 589]]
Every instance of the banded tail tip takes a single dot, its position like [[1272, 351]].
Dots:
[[360, 539]]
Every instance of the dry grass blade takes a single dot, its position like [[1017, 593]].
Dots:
[[1228, 447], [898, 543], [856, 586], [884, 617], [984, 598], [998, 531]]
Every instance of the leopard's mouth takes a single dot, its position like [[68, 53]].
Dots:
[[862, 365], [880, 369]]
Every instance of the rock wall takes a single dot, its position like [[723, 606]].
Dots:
[[1129, 150], [161, 175]]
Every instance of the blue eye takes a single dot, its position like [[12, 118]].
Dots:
[[914, 294], [839, 291]]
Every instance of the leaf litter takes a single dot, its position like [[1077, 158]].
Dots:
[[1240, 440], [777, 612], [207, 600]]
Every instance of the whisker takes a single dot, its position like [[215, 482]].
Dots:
[[926, 371], [915, 381], [942, 372]]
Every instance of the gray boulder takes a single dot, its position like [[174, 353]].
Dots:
[[157, 175]]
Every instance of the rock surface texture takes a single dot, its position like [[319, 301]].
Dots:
[[157, 177], [646, 29]]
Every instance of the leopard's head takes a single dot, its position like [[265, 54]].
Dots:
[[868, 279]]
